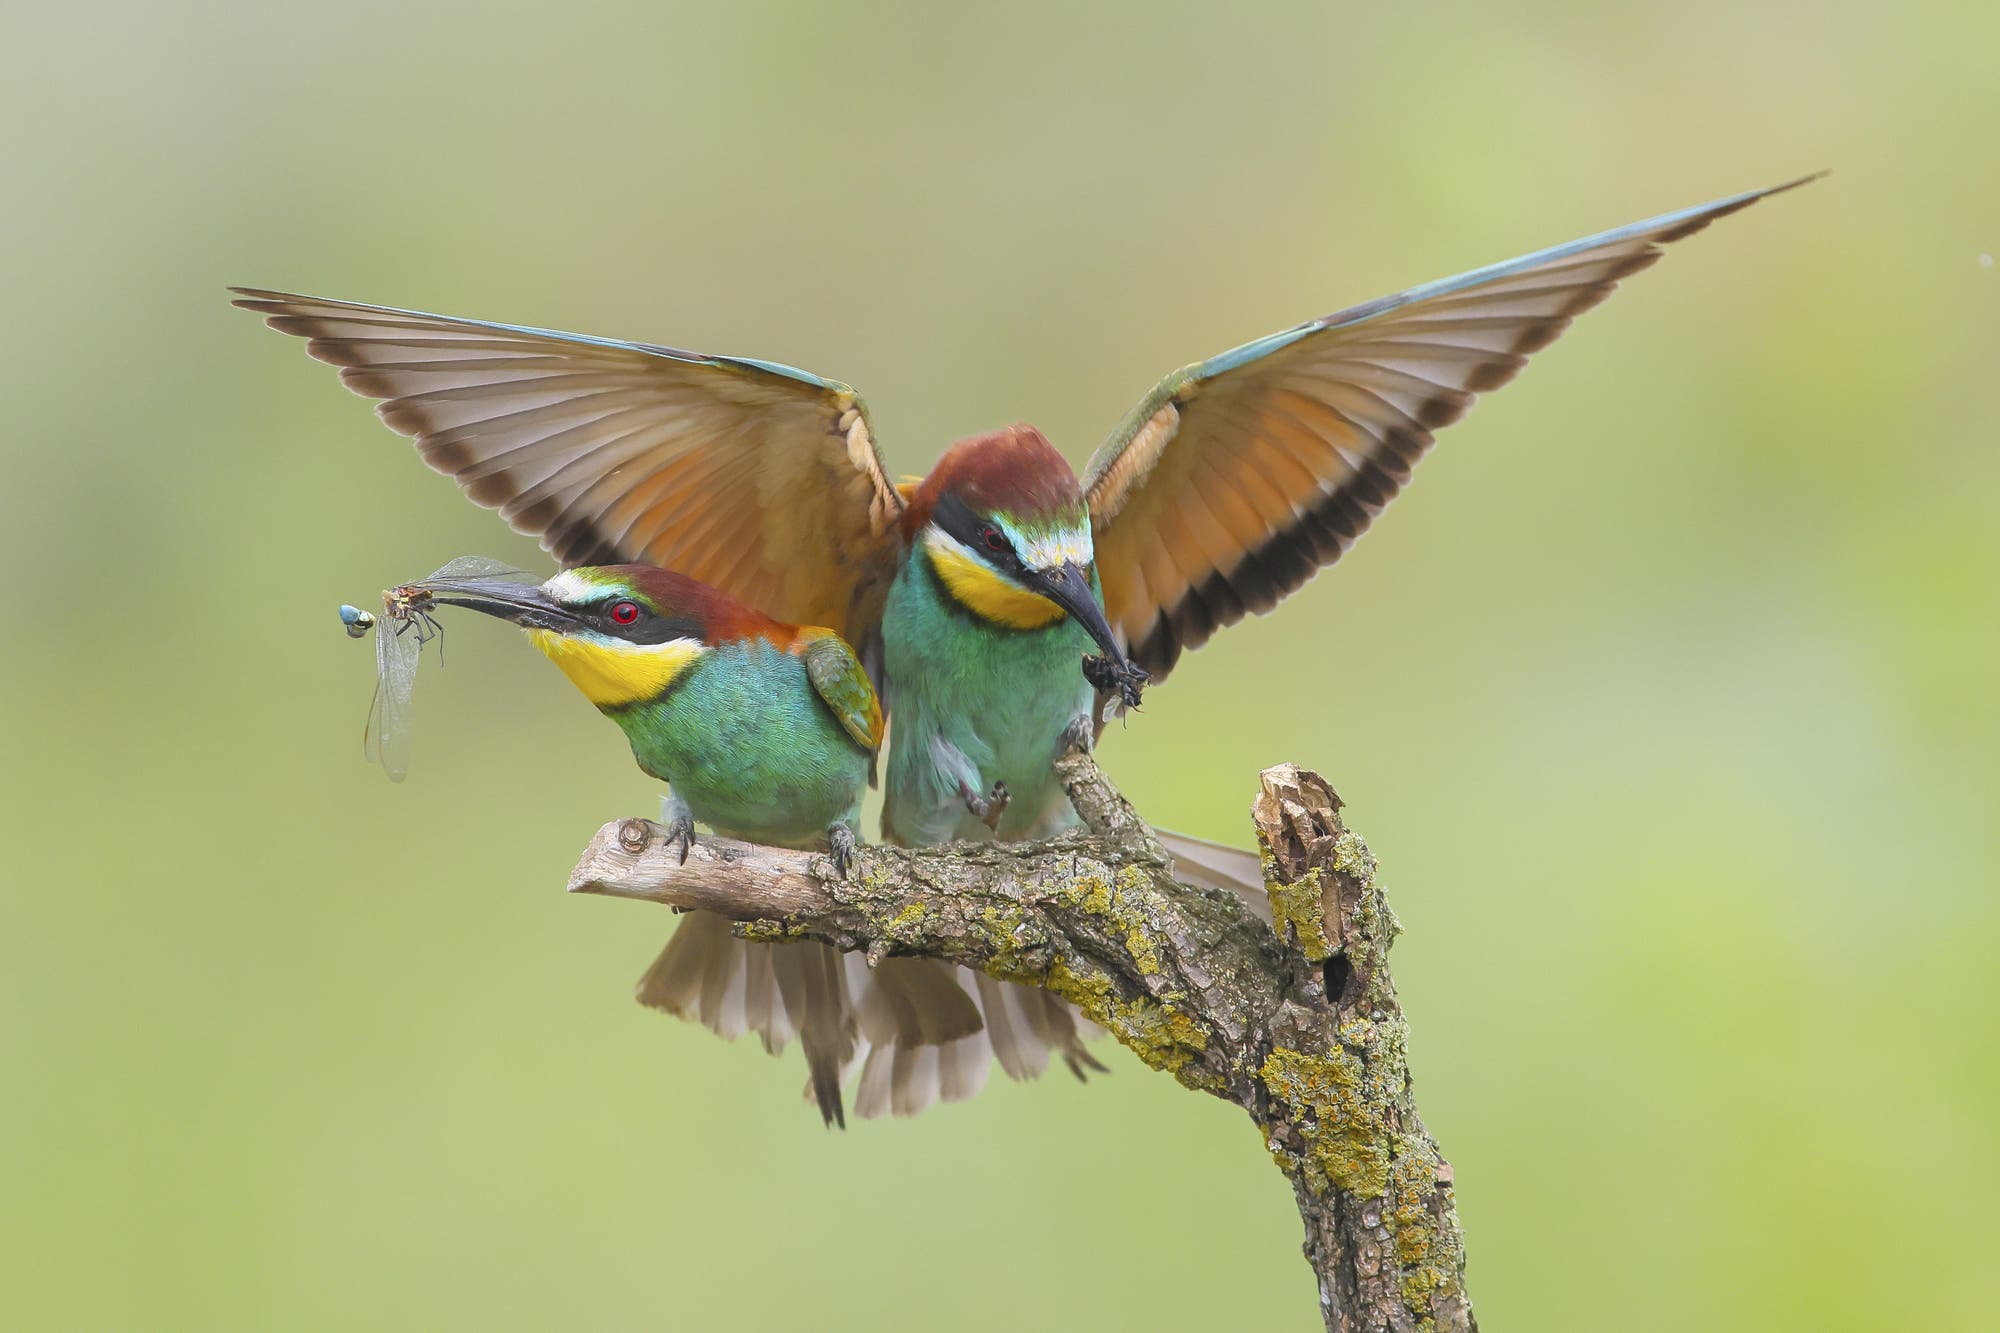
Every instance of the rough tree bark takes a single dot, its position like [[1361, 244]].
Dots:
[[1295, 1020]]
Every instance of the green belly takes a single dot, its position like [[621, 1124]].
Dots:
[[751, 749], [962, 686]]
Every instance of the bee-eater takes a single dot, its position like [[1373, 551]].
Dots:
[[1227, 487], [763, 731]]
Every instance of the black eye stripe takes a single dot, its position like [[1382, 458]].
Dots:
[[969, 529], [650, 626]]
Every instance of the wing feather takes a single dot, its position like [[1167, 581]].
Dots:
[[1238, 478], [840, 682], [757, 478]]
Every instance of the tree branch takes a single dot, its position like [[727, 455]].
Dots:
[[1297, 1023]]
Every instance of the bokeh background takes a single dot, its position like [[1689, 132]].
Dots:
[[1666, 697]]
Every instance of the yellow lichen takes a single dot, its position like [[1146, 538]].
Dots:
[[1352, 858], [1091, 893], [1115, 900], [1144, 956], [1428, 1246], [873, 879], [1340, 1128], [1159, 1032], [1138, 939], [1301, 908], [1092, 994], [1002, 929]]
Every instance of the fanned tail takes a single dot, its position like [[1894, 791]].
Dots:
[[731, 986], [921, 1031]]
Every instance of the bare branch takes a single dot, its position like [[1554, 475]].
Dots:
[[632, 858], [1301, 1028]]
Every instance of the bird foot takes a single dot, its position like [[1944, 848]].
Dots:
[[840, 845], [986, 809], [1080, 736], [682, 831], [679, 821]]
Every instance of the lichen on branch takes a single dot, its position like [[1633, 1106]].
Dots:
[[1296, 1022]]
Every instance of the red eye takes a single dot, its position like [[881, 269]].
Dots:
[[624, 613], [994, 541]]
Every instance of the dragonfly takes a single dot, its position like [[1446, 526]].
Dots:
[[402, 631]]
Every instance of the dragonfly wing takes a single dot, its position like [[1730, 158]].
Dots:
[[387, 741], [477, 567]]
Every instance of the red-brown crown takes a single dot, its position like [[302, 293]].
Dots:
[[1013, 470]]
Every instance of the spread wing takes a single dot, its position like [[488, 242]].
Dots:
[[754, 477], [1237, 479], [840, 682]]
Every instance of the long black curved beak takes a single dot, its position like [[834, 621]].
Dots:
[[524, 604], [1068, 586]]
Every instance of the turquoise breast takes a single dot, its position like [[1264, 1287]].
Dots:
[[753, 750], [959, 685]]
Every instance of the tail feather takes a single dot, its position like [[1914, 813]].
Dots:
[[963, 1066], [923, 1035], [912, 1002], [763, 1007], [813, 984], [1056, 1023], [688, 978], [871, 1090], [1022, 1054], [706, 975], [919, 1030], [913, 1082]]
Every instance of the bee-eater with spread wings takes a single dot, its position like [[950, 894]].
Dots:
[[978, 590]]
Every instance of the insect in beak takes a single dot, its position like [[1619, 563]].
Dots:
[[1068, 586]]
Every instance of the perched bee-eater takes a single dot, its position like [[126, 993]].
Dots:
[[980, 587], [763, 731]]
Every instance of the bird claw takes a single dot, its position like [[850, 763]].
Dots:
[[841, 844], [678, 821], [1080, 736], [681, 830], [1120, 678], [986, 809]]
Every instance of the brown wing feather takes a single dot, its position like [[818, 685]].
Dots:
[[1237, 479], [761, 480]]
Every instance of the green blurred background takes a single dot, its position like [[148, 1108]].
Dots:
[[1666, 698]]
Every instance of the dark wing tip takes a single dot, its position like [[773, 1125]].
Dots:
[[1736, 205], [263, 299], [1806, 179]]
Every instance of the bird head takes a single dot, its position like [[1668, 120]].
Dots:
[[622, 633], [1005, 527]]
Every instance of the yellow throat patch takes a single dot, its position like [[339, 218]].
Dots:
[[983, 592], [611, 672]]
